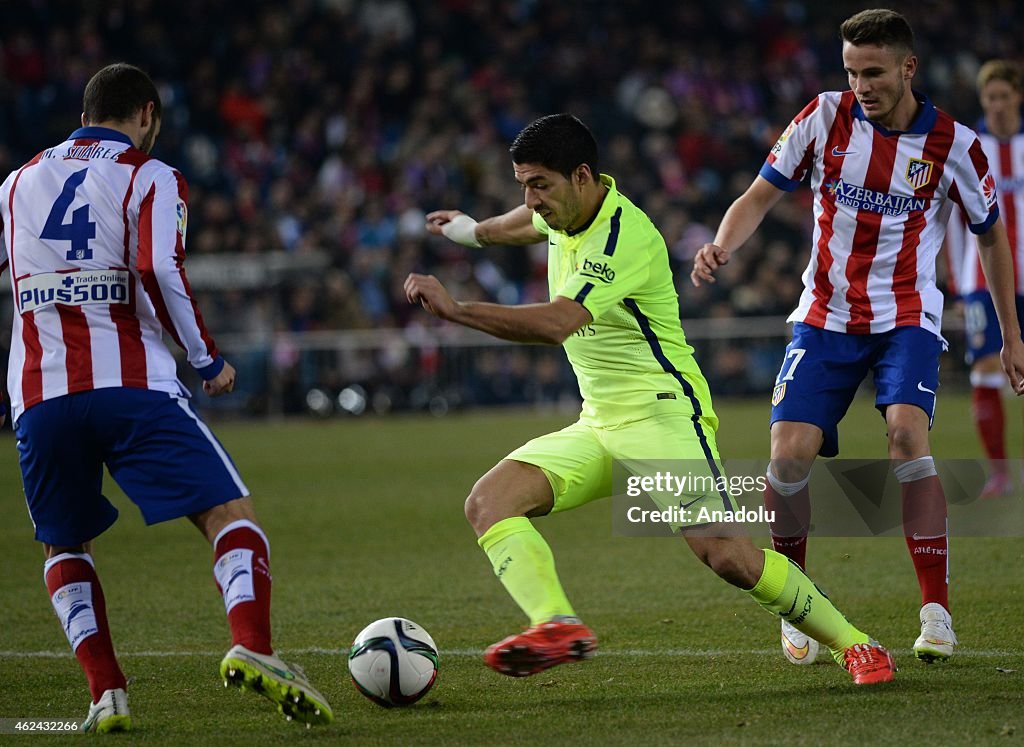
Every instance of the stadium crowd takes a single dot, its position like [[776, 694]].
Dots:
[[330, 127]]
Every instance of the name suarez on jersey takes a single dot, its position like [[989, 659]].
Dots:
[[79, 288], [82, 152]]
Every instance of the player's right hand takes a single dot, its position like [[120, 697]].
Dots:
[[708, 259], [1012, 358], [428, 291], [222, 383], [438, 218]]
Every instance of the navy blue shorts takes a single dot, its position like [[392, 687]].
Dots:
[[982, 325], [157, 449], [822, 371]]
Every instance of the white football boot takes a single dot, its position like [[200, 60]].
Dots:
[[937, 640], [798, 647], [280, 682], [109, 714]]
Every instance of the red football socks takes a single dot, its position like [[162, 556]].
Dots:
[[77, 598], [242, 569]]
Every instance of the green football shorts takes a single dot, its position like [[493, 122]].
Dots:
[[577, 461]]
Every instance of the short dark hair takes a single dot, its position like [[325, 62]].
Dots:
[[880, 26], [117, 92], [559, 142]]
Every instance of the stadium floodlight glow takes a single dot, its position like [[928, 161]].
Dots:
[[318, 402], [352, 399]]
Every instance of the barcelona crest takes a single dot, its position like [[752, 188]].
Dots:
[[919, 172]]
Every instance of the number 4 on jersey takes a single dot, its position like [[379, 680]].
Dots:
[[80, 229]]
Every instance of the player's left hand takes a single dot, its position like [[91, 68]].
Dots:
[[222, 383], [437, 219], [1012, 357], [429, 293], [708, 259]]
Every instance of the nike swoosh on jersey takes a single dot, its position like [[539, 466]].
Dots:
[[839, 153]]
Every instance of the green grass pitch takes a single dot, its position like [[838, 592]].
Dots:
[[365, 521]]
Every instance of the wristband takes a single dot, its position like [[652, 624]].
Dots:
[[211, 370], [462, 230]]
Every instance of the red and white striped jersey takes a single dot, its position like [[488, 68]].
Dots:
[[881, 203], [1006, 158], [94, 233]]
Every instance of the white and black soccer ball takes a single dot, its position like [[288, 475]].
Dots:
[[393, 662]]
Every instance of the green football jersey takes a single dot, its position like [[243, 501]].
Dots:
[[632, 361]]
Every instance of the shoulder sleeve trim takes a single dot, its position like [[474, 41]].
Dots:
[[613, 233]]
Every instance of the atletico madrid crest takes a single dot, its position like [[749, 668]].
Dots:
[[919, 172], [778, 393], [182, 219]]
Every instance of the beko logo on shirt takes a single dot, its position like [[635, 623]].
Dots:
[[598, 271], [80, 288]]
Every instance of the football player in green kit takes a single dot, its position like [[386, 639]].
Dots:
[[615, 310]]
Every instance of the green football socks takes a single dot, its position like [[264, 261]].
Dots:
[[787, 592], [523, 563]]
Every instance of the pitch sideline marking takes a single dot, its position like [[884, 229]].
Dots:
[[668, 652]]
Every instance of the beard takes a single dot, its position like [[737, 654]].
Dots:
[[148, 139]]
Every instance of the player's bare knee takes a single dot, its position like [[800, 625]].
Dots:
[[492, 501], [730, 567], [486, 506], [906, 443], [793, 449], [988, 364], [790, 470], [475, 509], [52, 551], [211, 521], [509, 489]]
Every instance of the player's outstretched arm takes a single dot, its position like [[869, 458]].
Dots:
[[739, 223], [545, 323], [997, 264], [512, 228]]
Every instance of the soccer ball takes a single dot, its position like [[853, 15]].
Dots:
[[393, 662]]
